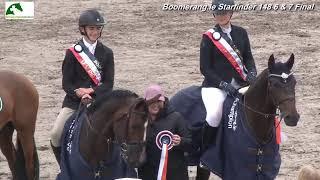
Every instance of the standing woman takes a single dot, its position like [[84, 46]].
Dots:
[[163, 117], [87, 71], [226, 63]]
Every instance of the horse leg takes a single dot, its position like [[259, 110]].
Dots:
[[202, 174], [28, 146], [7, 146]]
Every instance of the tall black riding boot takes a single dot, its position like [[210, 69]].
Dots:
[[56, 152], [208, 136]]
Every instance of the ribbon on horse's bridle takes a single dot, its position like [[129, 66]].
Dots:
[[124, 146], [277, 104]]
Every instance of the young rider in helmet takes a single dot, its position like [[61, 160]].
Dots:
[[87, 69], [226, 63]]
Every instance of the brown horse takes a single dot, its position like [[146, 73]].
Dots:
[[274, 89], [247, 145], [18, 111], [106, 140]]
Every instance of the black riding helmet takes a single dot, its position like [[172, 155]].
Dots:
[[91, 17], [217, 3]]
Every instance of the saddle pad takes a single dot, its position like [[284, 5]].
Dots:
[[74, 166], [237, 155]]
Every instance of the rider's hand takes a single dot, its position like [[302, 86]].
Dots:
[[251, 77], [86, 99], [79, 92], [88, 90], [228, 88], [82, 91]]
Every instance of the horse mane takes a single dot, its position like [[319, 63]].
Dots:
[[260, 78], [263, 74], [110, 97]]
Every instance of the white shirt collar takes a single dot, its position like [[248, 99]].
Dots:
[[227, 31], [91, 47]]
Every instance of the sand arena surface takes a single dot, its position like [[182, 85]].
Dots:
[[152, 45]]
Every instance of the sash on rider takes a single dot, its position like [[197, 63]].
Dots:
[[228, 51], [86, 59]]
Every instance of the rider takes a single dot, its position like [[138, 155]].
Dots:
[[226, 63], [87, 69]]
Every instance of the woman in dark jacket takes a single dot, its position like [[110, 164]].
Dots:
[[163, 117]]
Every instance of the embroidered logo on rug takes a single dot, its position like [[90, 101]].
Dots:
[[232, 123], [70, 135]]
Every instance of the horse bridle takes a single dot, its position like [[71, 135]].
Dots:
[[284, 76], [124, 146]]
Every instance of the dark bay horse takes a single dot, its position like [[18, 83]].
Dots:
[[106, 140], [255, 111], [18, 111]]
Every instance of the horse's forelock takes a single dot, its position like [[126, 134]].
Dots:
[[279, 67]]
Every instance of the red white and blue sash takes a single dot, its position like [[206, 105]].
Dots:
[[164, 143], [228, 51], [86, 63]]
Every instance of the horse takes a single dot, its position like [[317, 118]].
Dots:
[[19, 101], [308, 172], [105, 140], [273, 90]]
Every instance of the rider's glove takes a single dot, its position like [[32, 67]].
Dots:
[[228, 88]]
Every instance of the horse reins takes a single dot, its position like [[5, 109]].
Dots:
[[278, 113], [126, 117]]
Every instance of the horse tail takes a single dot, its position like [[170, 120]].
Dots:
[[19, 165]]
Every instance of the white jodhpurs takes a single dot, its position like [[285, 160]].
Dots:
[[58, 126], [213, 99]]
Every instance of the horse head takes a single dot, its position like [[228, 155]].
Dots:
[[281, 88], [116, 123], [130, 132]]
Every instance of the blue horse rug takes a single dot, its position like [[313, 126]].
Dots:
[[188, 102], [74, 167], [237, 155]]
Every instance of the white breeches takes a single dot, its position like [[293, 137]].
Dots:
[[213, 99], [58, 126]]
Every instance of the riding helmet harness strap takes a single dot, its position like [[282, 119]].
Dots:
[[228, 51], [88, 62]]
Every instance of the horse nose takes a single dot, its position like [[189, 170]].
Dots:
[[292, 120]]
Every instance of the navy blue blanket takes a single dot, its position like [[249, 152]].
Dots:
[[188, 102], [237, 155], [74, 167]]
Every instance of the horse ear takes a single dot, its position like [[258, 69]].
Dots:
[[271, 62], [290, 62]]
